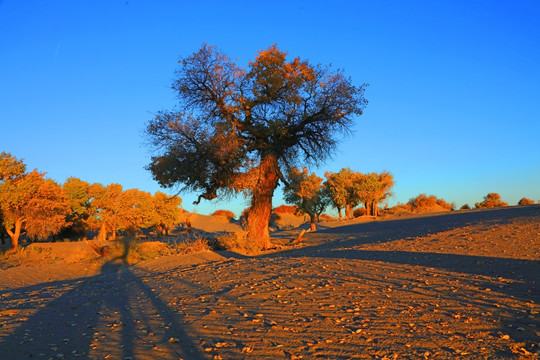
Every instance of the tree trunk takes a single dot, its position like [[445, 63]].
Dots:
[[260, 211], [102, 234], [313, 220], [14, 235], [374, 209], [348, 211], [339, 212]]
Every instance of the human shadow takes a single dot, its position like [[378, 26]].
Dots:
[[114, 314]]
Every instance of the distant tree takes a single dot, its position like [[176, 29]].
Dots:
[[465, 207], [373, 189], [491, 200], [80, 199], [306, 192], [525, 201], [338, 185], [29, 203], [237, 129], [136, 210], [169, 211]]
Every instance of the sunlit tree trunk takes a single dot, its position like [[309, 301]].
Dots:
[[15, 234], [313, 220], [374, 209], [260, 211], [102, 234], [348, 211]]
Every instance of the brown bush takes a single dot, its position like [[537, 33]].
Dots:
[[525, 201], [465, 207], [238, 242], [359, 212], [491, 200], [325, 217], [225, 213], [285, 209], [423, 203]]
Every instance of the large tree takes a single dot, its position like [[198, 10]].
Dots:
[[237, 129], [29, 203]]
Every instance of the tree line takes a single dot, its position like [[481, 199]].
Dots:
[[345, 189], [39, 208]]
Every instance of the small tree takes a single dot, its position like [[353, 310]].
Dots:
[[237, 129], [306, 192], [465, 207], [491, 200], [525, 201], [169, 211]]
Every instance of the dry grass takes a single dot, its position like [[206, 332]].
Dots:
[[238, 242]]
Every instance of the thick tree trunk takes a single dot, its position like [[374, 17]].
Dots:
[[374, 209], [312, 224], [348, 211], [14, 235], [339, 213], [260, 211], [102, 234]]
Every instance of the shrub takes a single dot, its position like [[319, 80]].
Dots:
[[423, 203], [325, 217], [285, 209], [359, 212], [525, 201], [465, 207], [225, 213], [491, 200], [238, 242]]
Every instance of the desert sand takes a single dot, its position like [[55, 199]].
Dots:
[[457, 285]]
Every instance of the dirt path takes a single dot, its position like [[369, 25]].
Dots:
[[442, 287]]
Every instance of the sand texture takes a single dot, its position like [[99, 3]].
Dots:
[[460, 285]]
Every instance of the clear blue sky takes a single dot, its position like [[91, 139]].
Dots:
[[454, 95]]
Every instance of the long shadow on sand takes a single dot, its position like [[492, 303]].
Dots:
[[113, 314], [526, 273]]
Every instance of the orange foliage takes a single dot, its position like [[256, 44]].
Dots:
[[423, 203], [360, 212], [491, 200], [525, 201], [225, 213], [285, 209]]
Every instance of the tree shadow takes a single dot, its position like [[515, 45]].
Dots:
[[526, 273], [113, 314]]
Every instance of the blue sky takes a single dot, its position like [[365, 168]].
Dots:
[[454, 89]]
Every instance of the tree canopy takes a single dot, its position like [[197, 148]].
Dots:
[[239, 129], [29, 203], [305, 190]]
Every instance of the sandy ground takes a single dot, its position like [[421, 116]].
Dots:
[[460, 285]]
